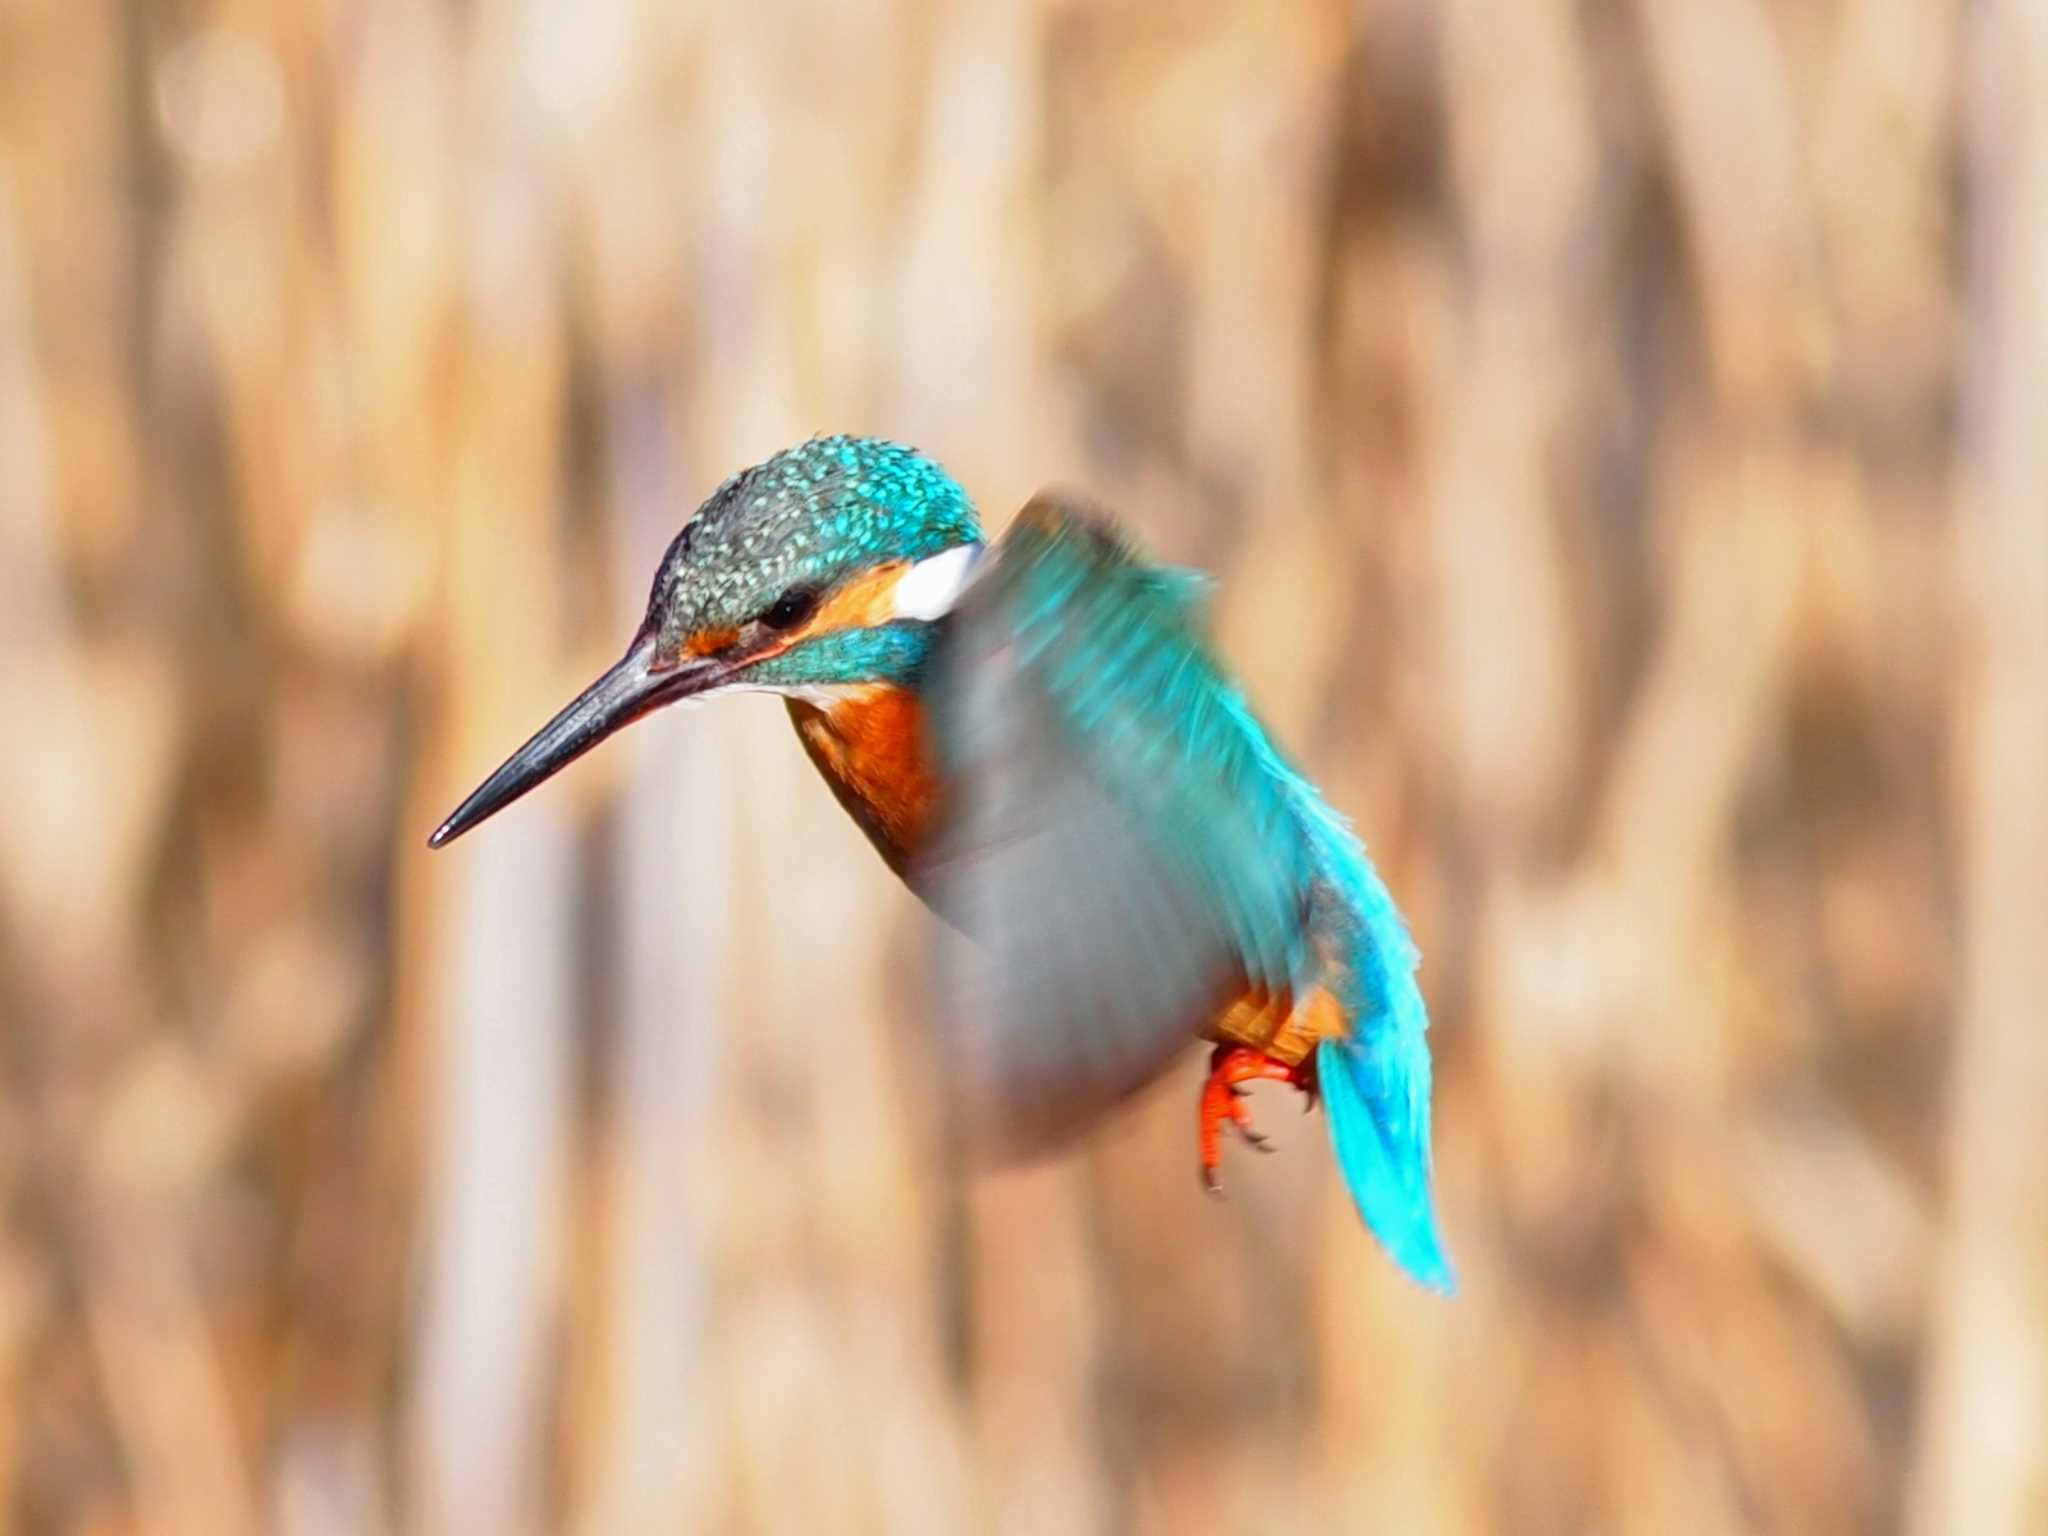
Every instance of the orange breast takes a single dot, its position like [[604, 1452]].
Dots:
[[870, 746]]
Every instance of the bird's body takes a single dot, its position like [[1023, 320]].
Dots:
[[1036, 736], [871, 746]]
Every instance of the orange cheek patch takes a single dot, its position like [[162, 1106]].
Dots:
[[860, 604], [709, 642]]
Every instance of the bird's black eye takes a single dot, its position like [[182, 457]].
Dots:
[[792, 608]]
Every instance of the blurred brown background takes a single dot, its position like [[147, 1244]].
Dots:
[[1620, 427]]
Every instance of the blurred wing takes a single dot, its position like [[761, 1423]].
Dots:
[[1114, 837]]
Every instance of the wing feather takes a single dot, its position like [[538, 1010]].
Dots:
[[1113, 836]]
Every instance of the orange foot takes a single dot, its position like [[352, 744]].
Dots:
[[1223, 1102]]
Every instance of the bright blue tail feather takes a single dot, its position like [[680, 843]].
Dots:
[[1377, 1094], [1376, 1083]]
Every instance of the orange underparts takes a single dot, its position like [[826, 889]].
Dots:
[[1222, 1102], [1280, 1027], [870, 746]]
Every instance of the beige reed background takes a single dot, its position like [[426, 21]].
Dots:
[[1620, 428]]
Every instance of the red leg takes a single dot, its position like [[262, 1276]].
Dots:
[[1222, 1101]]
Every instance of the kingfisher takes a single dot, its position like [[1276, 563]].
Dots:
[[1037, 737]]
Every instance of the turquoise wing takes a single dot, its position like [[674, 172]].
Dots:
[[1130, 852], [1114, 835]]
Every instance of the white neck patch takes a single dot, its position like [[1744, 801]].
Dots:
[[929, 588]]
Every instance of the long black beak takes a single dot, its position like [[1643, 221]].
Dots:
[[632, 688]]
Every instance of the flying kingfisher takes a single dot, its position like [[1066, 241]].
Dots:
[[1036, 737]]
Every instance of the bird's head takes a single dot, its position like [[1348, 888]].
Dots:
[[822, 568]]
